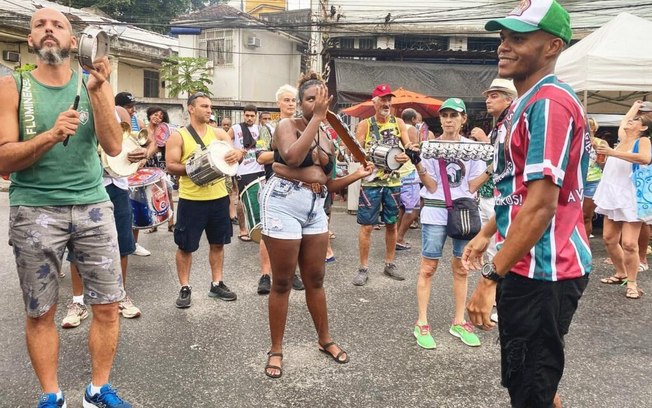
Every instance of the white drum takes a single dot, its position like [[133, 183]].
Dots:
[[206, 166], [384, 156], [120, 166]]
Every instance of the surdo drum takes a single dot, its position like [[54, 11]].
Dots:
[[148, 194]]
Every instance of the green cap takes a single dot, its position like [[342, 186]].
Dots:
[[533, 15], [455, 104]]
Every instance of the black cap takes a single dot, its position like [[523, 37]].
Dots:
[[124, 99]]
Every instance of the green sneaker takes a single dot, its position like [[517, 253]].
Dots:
[[465, 333], [423, 336]]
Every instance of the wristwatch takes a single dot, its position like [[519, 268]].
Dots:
[[489, 272]]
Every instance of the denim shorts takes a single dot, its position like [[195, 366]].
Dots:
[[533, 318], [590, 187], [39, 236], [433, 238], [374, 199], [289, 210], [195, 217]]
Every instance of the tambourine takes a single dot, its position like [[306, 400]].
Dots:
[[456, 150], [93, 44]]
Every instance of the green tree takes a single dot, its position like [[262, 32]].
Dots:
[[152, 15], [185, 74]]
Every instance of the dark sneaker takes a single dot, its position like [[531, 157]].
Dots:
[[362, 277], [221, 291], [107, 398], [264, 285], [392, 271], [296, 283], [185, 297], [51, 401]]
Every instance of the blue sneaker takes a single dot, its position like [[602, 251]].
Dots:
[[107, 398], [51, 401]]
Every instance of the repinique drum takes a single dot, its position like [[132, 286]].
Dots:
[[384, 156], [251, 208], [120, 166], [206, 166], [148, 194]]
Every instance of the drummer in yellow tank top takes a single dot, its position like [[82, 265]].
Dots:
[[189, 190]]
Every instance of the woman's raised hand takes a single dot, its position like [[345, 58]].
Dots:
[[322, 101]]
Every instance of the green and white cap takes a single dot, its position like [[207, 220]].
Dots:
[[455, 104], [533, 15]]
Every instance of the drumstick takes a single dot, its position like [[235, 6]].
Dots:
[[75, 104], [350, 141]]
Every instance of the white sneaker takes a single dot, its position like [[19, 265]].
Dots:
[[128, 309], [76, 313], [494, 317], [642, 267], [140, 251]]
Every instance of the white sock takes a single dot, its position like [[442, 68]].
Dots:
[[78, 299], [217, 283], [95, 390], [59, 395]]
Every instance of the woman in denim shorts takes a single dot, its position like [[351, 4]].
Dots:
[[464, 178], [295, 226]]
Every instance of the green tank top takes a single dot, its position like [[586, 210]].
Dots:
[[65, 175]]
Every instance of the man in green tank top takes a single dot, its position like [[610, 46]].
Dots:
[[57, 200]]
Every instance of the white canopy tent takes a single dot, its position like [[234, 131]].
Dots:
[[611, 67]]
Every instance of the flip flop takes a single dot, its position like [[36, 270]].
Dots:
[[324, 349], [403, 247], [634, 293], [244, 238], [330, 259]]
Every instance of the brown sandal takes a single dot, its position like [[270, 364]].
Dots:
[[634, 293], [324, 349], [614, 280], [271, 354]]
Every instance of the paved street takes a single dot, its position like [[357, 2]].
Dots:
[[212, 355]]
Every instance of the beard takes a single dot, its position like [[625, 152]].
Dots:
[[52, 56], [384, 112]]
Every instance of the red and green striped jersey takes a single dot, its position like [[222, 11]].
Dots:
[[546, 135]]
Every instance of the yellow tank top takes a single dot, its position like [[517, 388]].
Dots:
[[189, 190], [389, 133]]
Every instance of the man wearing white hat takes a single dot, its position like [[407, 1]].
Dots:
[[498, 98], [541, 161]]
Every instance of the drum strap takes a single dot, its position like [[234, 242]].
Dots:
[[195, 136]]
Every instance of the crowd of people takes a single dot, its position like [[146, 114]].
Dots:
[[526, 228]]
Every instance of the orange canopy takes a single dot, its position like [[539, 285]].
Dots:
[[402, 100]]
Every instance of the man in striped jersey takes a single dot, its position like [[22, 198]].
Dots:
[[543, 257]]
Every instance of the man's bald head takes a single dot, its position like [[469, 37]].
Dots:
[[50, 13]]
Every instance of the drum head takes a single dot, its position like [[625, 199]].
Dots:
[[120, 166], [217, 151], [145, 176], [161, 134], [392, 164], [256, 234]]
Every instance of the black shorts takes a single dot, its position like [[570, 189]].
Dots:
[[533, 318], [193, 217], [245, 179]]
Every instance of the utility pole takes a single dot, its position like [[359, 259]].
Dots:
[[315, 44]]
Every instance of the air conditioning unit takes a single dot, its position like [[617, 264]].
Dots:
[[11, 56], [253, 41]]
